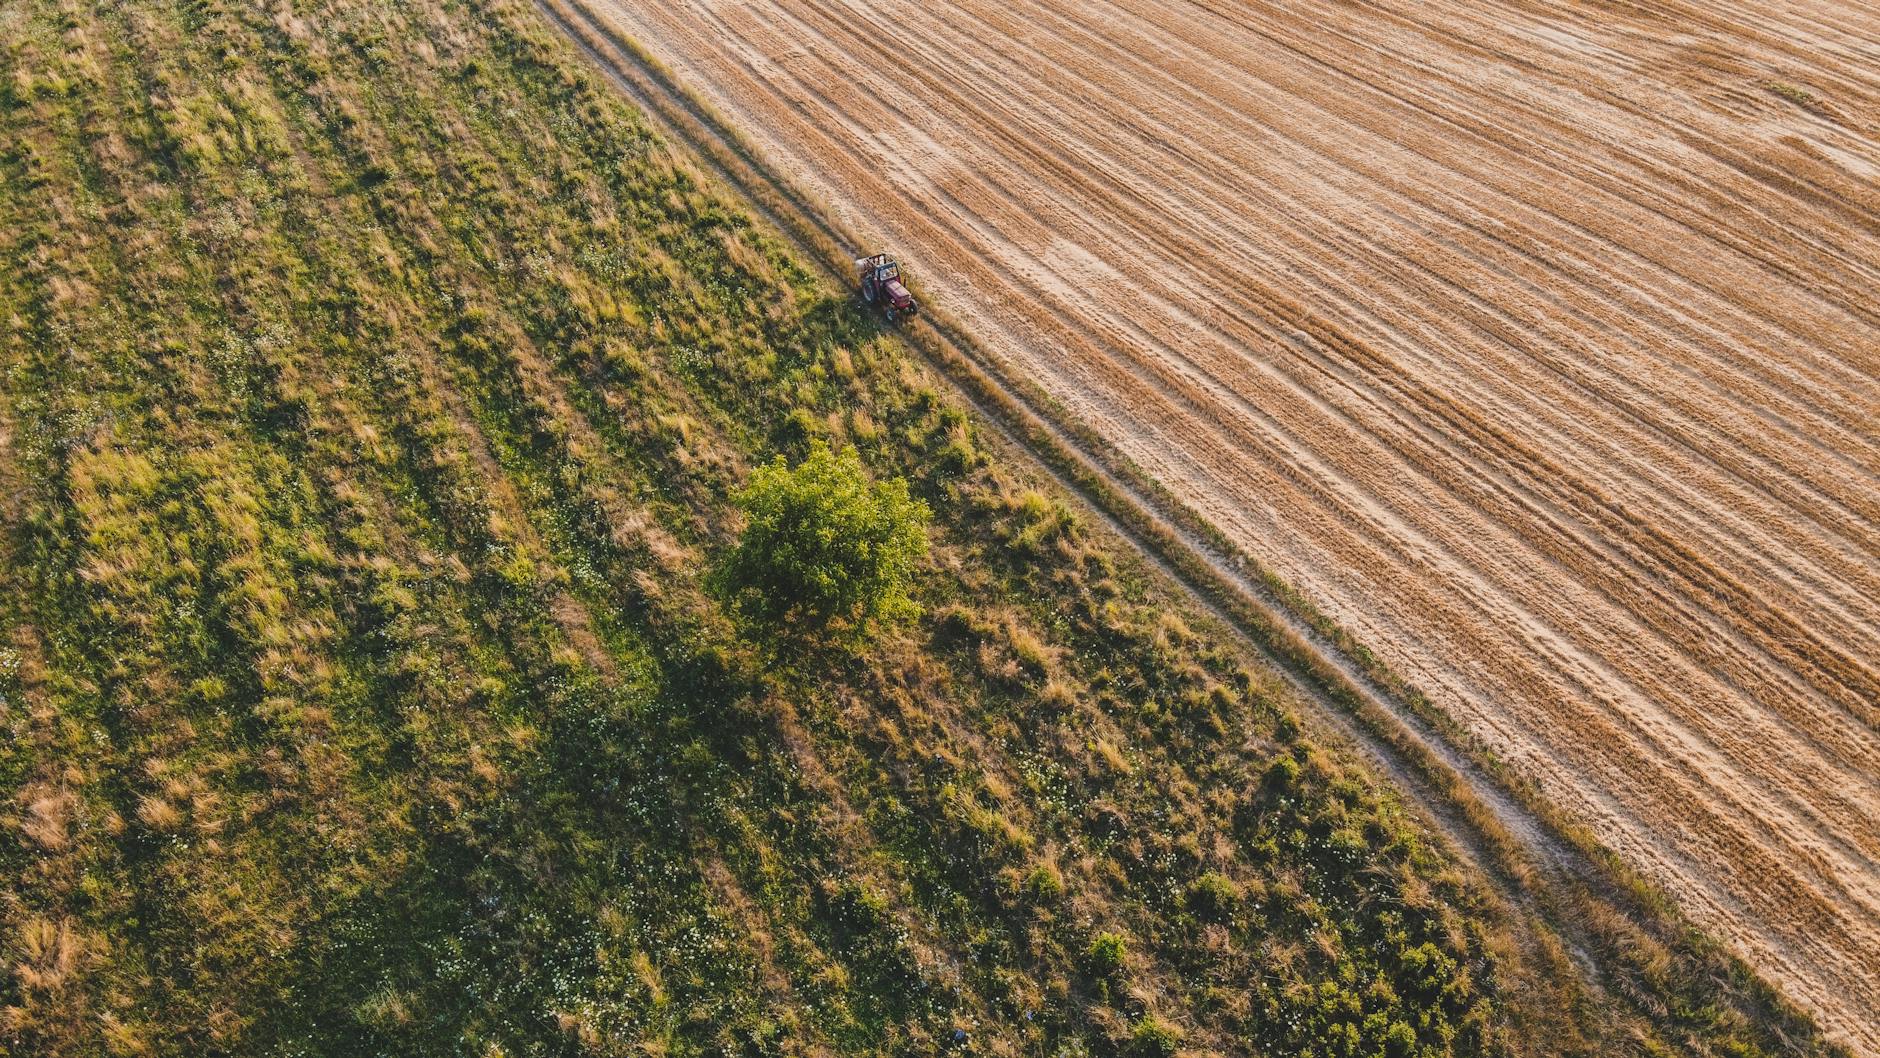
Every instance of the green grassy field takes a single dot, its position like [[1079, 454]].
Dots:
[[372, 392]]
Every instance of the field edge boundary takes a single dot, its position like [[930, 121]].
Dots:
[[1548, 861]]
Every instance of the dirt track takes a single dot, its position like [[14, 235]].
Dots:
[[1537, 344]]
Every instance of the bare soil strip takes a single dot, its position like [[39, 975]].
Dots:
[[1536, 344]]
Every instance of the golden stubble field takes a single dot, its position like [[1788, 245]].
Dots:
[[1536, 343]]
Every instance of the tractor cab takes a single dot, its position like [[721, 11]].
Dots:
[[882, 286]]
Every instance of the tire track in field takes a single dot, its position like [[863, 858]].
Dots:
[[1535, 343]]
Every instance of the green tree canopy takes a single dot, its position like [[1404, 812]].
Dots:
[[825, 548]]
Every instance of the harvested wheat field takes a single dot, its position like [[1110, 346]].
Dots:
[[1535, 343]]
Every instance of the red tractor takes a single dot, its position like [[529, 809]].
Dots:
[[882, 287]]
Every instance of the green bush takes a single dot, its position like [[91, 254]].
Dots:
[[1213, 896], [1154, 1038], [1283, 775], [1105, 955], [825, 548], [1044, 885]]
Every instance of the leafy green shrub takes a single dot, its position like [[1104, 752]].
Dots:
[[825, 547], [1213, 896], [1154, 1038], [1104, 957], [1428, 971], [1400, 1040]]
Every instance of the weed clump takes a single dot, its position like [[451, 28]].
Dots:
[[1044, 885], [1213, 897], [1105, 955], [1154, 1038], [1794, 93]]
